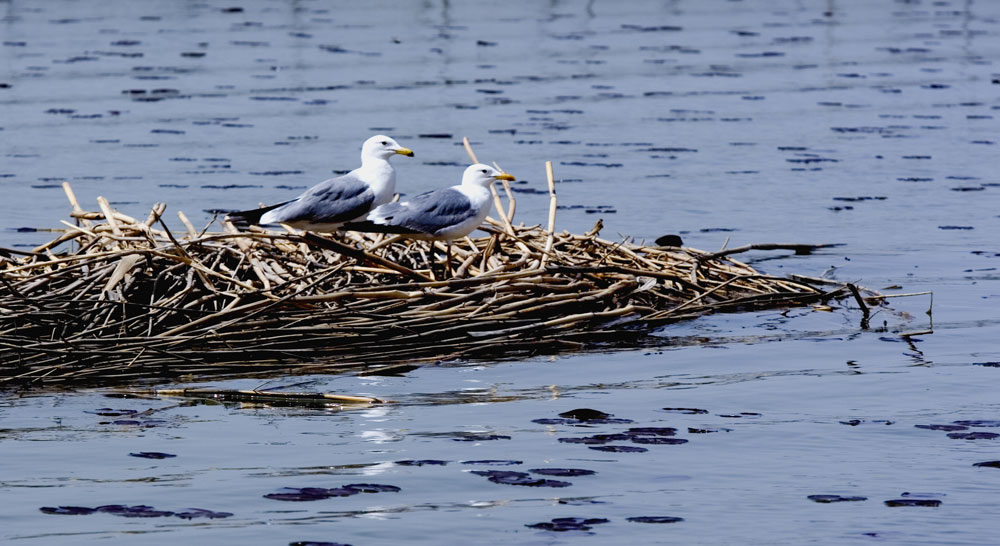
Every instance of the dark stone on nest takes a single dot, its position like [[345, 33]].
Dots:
[[655, 519], [584, 414], [948, 428], [422, 462], [913, 502], [373, 488], [588, 415], [826, 499], [495, 462], [619, 449], [152, 455], [564, 472], [973, 435]]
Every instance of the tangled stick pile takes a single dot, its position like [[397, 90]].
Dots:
[[126, 299]]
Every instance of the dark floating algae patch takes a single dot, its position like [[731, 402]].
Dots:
[[913, 502], [978, 422], [510, 477], [152, 455], [137, 511], [655, 519], [567, 524], [973, 435], [947, 428], [563, 472], [421, 462], [619, 449], [306, 494], [827, 499], [686, 411]]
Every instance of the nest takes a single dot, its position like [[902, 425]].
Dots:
[[115, 299]]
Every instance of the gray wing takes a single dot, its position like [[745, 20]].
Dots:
[[335, 200], [429, 212]]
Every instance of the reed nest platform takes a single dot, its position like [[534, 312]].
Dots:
[[116, 300]]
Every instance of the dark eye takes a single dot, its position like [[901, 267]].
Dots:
[[385, 143], [484, 171]]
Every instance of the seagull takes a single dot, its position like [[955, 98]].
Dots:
[[441, 215], [328, 205]]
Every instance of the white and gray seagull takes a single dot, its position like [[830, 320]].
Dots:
[[441, 215], [330, 204]]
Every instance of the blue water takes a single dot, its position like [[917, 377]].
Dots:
[[726, 122]]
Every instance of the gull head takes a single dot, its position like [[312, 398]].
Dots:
[[483, 175], [383, 147]]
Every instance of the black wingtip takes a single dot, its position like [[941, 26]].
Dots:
[[245, 218]]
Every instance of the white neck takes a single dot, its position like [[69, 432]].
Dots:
[[479, 197], [380, 175]]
